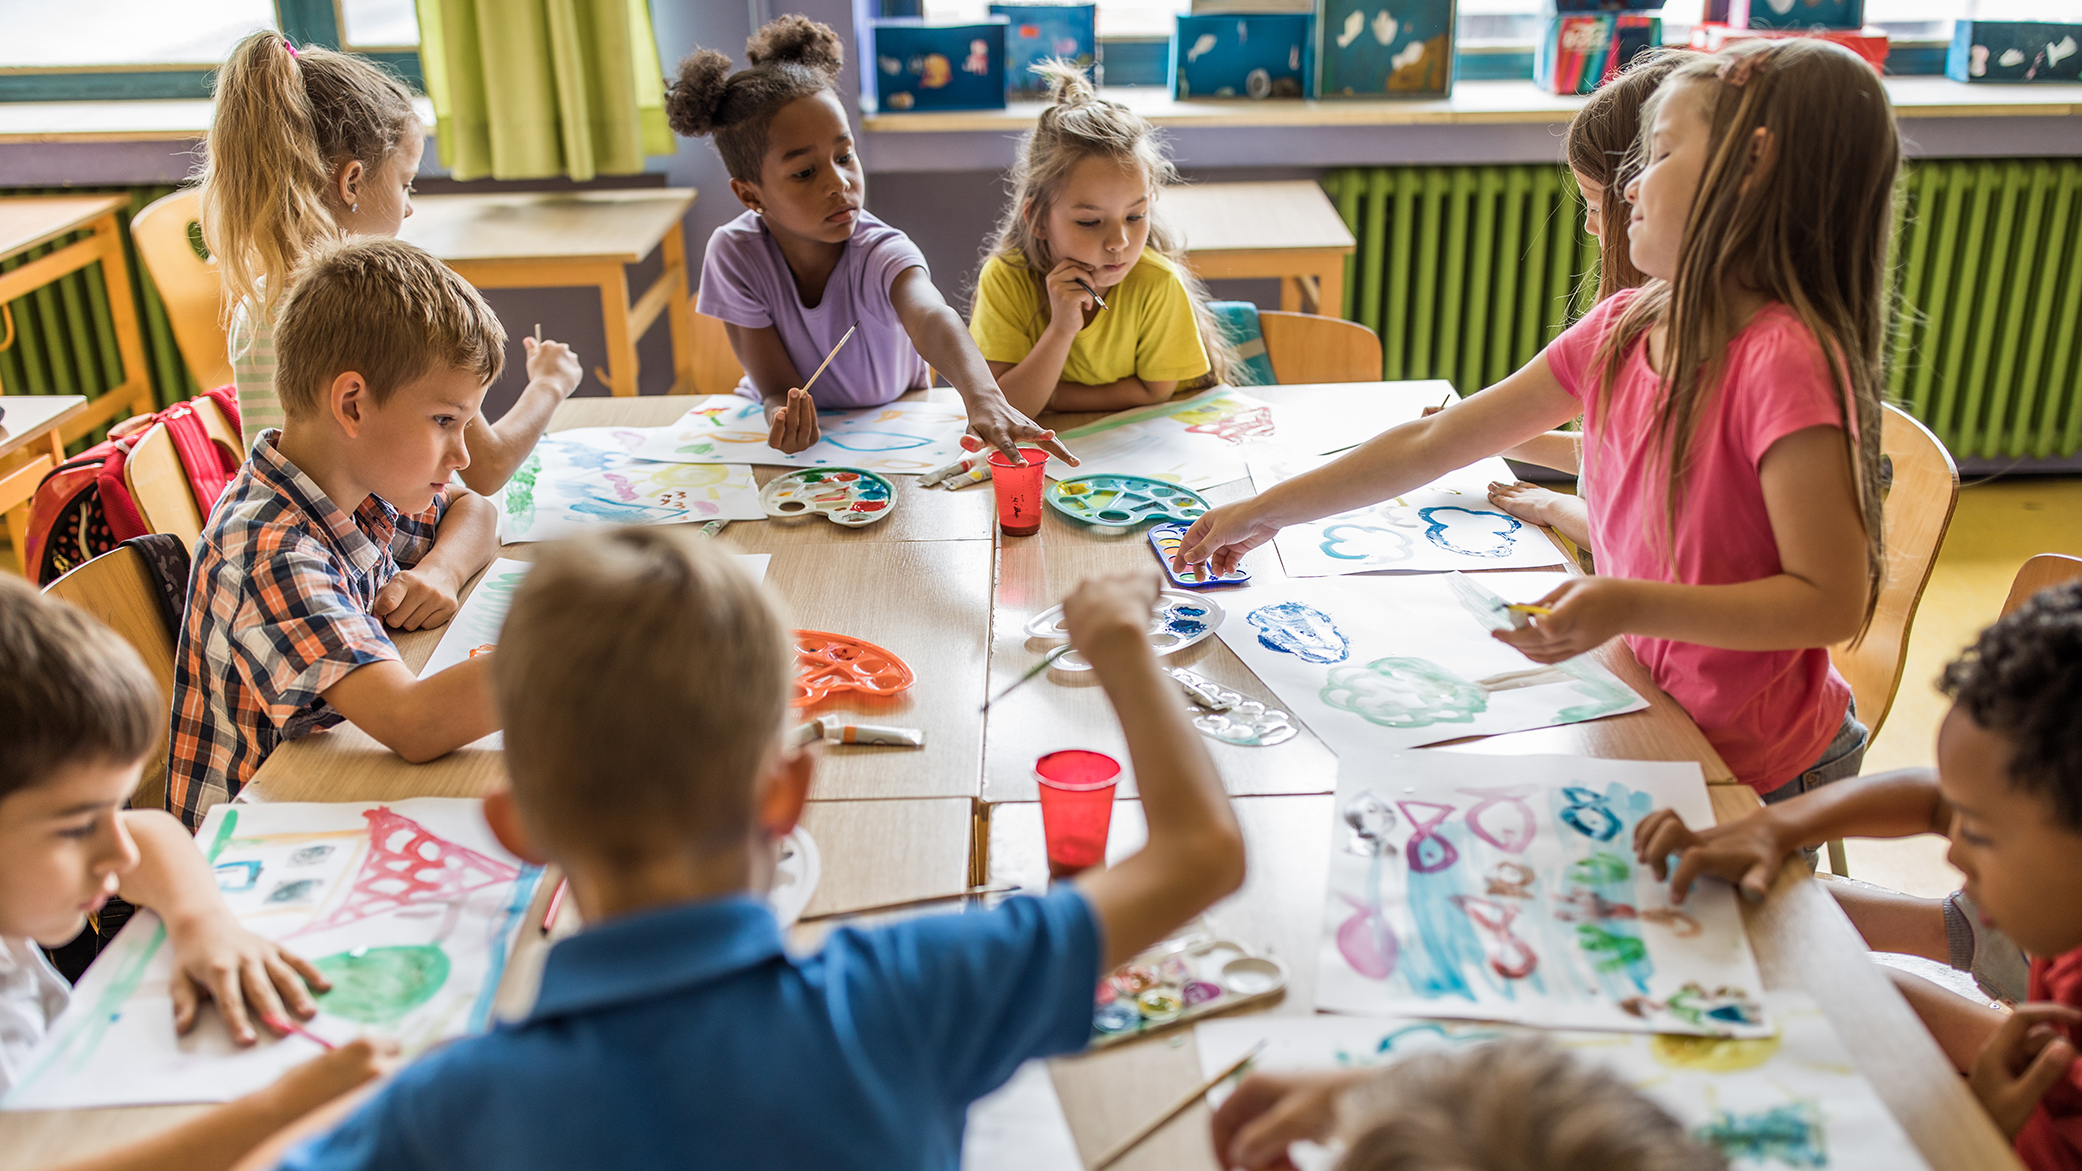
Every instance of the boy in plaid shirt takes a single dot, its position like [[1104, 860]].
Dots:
[[340, 522]]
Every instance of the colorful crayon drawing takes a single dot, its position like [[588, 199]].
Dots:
[[568, 486], [1371, 663], [1464, 888], [1790, 1102], [1198, 442], [409, 907], [1448, 524], [902, 438]]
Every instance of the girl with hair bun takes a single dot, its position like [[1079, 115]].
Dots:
[[306, 146], [806, 262], [1086, 303]]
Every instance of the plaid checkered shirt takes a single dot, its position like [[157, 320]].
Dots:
[[278, 611]]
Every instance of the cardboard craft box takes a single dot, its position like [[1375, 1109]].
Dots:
[[1040, 32], [1242, 56], [1365, 50], [2014, 51], [913, 65], [1580, 51]]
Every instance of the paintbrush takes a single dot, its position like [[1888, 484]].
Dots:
[[974, 892], [556, 903], [833, 354], [1083, 284], [1036, 669], [283, 1024], [1114, 1152]]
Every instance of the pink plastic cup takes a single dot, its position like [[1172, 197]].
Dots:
[[1076, 807], [1019, 491]]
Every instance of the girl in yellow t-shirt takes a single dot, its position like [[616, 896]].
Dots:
[[1084, 304]]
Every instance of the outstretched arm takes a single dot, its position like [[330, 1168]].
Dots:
[[944, 342], [496, 450]]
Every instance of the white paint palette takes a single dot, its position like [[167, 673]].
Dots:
[[849, 497], [1179, 620]]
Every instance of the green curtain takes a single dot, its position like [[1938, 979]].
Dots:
[[531, 89]]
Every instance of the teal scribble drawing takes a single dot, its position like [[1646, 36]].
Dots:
[[1350, 542], [1699, 1008], [1601, 868], [378, 985], [1302, 631], [699, 447], [1399, 692], [1589, 814], [1605, 695], [1471, 532], [877, 441], [1614, 949], [233, 877], [520, 490], [1790, 1135]]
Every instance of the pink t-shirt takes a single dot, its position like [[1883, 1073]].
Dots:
[[1768, 713]]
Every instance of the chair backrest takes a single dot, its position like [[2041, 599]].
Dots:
[[716, 369], [159, 485], [2047, 569], [1306, 348], [218, 426], [1914, 516], [118, 588], [187, 283]]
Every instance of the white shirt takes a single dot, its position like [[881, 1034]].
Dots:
[[32, 994]]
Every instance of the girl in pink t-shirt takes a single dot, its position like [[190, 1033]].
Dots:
[[1731, 412]]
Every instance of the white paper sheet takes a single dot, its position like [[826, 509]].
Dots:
[[1317, 419], [902, 438], [1198, 442], [574, 482], [1790, 1101], [1372, 663], [1020, 1127], [1505, 888], [410, 907], [1446, 525]]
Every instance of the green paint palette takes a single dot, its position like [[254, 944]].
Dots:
[[1116, 501]]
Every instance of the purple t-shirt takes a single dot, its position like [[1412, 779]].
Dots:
[[745, 281]]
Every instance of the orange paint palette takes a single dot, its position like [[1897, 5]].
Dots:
[[826, 662]]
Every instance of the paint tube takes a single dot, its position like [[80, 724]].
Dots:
[[963, 464], [804, 733], [973, 476], [838, 733]]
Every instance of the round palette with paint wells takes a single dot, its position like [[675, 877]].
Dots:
[[1179, 982], [1108, 501], [851, 497], [826, 662], [796, 873], [1179, 620]]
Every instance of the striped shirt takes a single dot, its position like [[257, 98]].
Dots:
[[253, 371], [278, 611]]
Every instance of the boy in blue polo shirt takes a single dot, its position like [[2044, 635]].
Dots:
[[675, 1030]]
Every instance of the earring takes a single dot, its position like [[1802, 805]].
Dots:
[[353, 207]]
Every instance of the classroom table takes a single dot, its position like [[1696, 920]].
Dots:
[[28, 222], [1284, 229], [574, 238], [32, 442]]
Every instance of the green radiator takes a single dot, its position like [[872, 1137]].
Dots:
[[64, 342], [1466, 272]]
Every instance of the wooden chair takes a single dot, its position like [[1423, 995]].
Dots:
[[159, 484], [188, 284], [1306, 348], [117, 587], [2047, 569], [1915, 514], [716, 370]]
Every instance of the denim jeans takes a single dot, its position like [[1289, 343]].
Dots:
[[1844, 756]]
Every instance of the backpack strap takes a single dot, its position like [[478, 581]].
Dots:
[[168, 560], [208, 465], [117, 505]]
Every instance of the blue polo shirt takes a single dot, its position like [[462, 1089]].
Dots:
[[688, 1037]]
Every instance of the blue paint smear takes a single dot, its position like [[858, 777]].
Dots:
[[1302, 631], [876, 441], [1451, 947], [1186, 627], [1624, 807], [1503, 531]]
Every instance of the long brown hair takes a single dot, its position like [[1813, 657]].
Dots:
[[1601, 136], [1807, 226], [1077, 124], [284, 119]]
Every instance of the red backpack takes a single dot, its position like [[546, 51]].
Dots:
[[83, 509]]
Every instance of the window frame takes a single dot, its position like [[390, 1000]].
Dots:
[[306, 22]]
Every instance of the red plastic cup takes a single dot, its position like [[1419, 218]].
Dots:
[[1019, 491], [1076, 807]]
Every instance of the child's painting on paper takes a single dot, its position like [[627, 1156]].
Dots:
[[573, 482], [1198, 442], [902, 438], [1505, 888], [1446, 525], [410, 908]]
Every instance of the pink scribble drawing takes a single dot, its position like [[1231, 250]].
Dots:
[[622, 488], [408, 864], [1502, 817], [1509, 956], [1254, 423], [1429, 853], [1583, 905], [1367, 942]]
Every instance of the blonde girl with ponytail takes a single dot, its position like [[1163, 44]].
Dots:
[[307, 145], [1086, 303]]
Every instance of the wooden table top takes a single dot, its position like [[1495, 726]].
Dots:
[[29, 220], [1254, 217], [618, 226], [29, 417]]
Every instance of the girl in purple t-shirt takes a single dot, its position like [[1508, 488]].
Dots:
[[805, 263]]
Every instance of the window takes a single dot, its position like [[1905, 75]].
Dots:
[[378, 24], [1116, 18]]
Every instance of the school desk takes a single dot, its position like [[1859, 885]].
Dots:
[[1287, 230], [1801, 939], [30, 221], [32, 442], [567, 238]]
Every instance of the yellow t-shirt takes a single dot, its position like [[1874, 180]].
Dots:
[[1146, 329]]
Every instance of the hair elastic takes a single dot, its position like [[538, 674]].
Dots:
[[288, 46], [1738, 71]]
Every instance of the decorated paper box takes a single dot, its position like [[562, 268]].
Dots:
[[1042, 32], [921, 66], [1364, 49], [1869, 42], [1580, 51], [2014, 50], [1796, 14], [1244, 56]]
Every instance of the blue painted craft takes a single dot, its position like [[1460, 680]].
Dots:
[[1166, 539], [1178, 621], [1117, 501], [1302, 631]]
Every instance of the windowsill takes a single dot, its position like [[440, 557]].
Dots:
[[148, 120], [1473, 102]]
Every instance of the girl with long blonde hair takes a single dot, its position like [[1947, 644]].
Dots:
[[1731, 413]]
